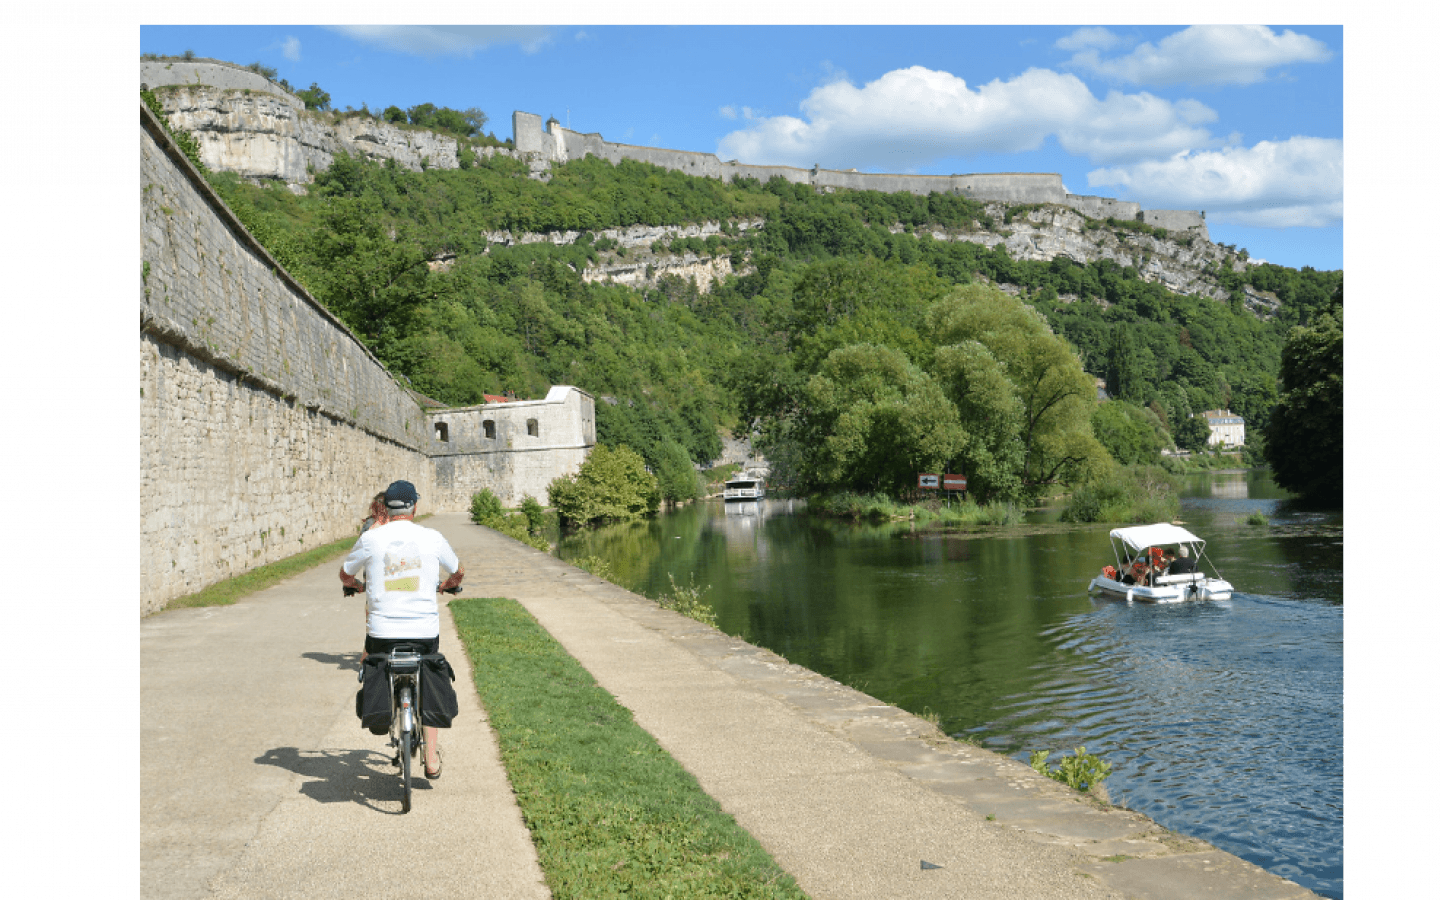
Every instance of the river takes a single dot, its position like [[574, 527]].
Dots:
[[1223, 720]]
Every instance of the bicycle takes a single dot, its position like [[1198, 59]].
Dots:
[[407, 733]]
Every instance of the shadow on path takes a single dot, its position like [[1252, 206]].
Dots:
[[365, 777], [345, 662]]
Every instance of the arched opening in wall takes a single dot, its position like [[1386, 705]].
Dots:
[[442, 432], [532, 427], [490, 429]]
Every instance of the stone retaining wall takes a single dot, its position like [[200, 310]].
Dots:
[[264, 424]]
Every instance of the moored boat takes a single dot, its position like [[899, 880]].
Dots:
[[1180, 581], [745, 486]]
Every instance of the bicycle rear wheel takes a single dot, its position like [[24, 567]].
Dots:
[[407, 736]]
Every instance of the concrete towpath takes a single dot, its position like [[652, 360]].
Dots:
[[854, 798], [258, 782]]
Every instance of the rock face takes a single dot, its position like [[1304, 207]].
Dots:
[[262, 136]]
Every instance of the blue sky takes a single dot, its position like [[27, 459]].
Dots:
[[1244, 122]]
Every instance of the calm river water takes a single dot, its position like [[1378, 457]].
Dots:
[[1223, 720]]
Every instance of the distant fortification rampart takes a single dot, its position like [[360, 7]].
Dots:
[[166, 72], [550, 142], [264, 423]]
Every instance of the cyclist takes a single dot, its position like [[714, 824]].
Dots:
[[401, 562]]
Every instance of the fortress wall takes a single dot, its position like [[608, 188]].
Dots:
[[1103, 207], [157, 73], [731, 170], [264, 424], [528, 444], [1176, 220], [1012, 187]]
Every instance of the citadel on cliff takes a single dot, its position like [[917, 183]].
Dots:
[[260, 133]]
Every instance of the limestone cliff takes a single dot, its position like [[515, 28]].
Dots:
[[262, 136]]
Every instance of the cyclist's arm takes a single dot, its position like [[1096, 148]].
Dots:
[[350, 581], [454, 579]]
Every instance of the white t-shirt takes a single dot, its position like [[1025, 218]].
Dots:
[[401, 562]]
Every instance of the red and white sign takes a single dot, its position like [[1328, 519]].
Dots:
[[954, 482], [930, 481]]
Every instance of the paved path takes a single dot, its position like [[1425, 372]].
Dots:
[[284, 795], [257, 780]]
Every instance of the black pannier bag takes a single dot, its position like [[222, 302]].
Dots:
[[438, 705], [372, 701]]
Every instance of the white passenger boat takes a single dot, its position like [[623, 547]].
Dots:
[[1150, 541], [745, 486]]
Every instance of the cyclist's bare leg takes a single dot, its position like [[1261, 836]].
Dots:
[[432, 749]]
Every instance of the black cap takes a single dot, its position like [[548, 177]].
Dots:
[[400, 494]]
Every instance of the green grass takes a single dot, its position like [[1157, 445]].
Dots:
[[611, 813], [223, 593]]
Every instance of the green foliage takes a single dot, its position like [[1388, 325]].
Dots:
[[534, 514], [1130, 433], [314, 97], [612, 814], [1305, 438], [1082, 771], [183, 139], [611, 486], [1257, 519], [486, 508], [686, 601], [1193, 433], [1138, 494], [675, 474]]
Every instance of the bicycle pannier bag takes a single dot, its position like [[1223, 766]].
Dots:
[[438, 705], [372, 702]]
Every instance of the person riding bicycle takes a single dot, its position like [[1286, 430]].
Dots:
[[401, 562]]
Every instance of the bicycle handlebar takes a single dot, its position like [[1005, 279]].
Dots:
[[350, 591]]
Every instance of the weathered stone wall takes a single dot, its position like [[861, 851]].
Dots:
[[514, 449], [265, 425], [1177, 220], [164, 72]]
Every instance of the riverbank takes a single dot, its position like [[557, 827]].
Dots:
[[852, 796]]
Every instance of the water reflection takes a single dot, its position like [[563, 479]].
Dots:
[[1222, 719]]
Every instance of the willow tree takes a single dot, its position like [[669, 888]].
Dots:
[[1055, 395]]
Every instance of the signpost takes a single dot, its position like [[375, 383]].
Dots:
[[953, 482], [930, 482]]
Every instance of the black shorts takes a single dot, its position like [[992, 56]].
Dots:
[[383, 645]]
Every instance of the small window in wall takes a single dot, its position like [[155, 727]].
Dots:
[[532, 427], [490, 429], [442, 432]]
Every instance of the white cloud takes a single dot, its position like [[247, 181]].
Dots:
[[291, 48], [1273, 184], [728, 112], [1084, 38], [447, 40], [1202, 54], [910, 117]]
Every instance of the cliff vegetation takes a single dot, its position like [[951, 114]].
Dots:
[[855, 334]]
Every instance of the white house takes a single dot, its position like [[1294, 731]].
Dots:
[[1226, 428]]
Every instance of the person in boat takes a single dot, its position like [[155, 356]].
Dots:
[[1136, 572], [1179, 565]]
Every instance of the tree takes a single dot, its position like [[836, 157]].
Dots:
[[1304, 441], [475, 118], [992, 413], [873, 421], [1193, 433], [314, 97], [394, 115], [612, 485], [1056, 396]]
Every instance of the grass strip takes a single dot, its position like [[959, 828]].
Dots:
[[611, 813], [223, 593]]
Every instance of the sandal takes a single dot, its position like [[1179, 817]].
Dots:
[[432, 776]]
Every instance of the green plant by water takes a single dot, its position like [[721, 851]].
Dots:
[[1082, 771]]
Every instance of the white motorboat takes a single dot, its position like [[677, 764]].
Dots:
[[1149, 542], [745, 486]]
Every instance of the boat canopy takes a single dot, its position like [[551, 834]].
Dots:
[[1162, 533]]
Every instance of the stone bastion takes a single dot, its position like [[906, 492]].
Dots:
[[266, 425]]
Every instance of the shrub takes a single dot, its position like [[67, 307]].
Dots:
[[485, 508], [1135, 494], [534, 514], [612, 485], [1082, 771], [687, 602]]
